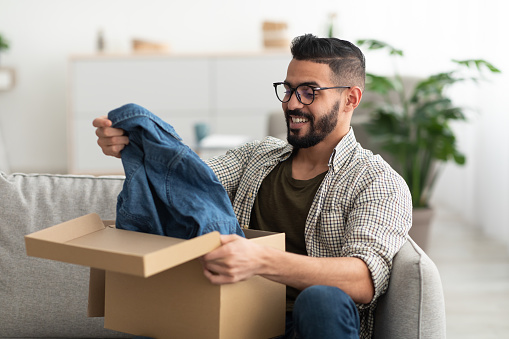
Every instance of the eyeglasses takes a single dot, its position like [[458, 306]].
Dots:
[[305, 93]]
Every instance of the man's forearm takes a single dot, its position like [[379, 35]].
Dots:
[[239, 259], [300, 271]]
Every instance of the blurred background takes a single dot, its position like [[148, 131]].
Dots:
[[46, 38]]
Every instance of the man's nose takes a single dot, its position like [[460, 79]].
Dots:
[[294, 102]]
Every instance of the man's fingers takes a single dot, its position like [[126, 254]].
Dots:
[[218, 279], [226, 238], [113, 141], [224, 251], [113, 146], [102, 122], [108, 132]]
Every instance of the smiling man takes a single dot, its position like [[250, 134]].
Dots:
[[345, 212]]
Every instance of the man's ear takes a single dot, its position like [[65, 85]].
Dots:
[[353, 99]]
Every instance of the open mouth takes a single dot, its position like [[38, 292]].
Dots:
[[299, 120], [295, 123]]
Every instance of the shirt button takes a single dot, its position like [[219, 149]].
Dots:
[[250, 195]]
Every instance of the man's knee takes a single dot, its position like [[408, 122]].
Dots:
[[325, 305], [325, 298]]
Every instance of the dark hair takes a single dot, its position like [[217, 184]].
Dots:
[[344, 58]]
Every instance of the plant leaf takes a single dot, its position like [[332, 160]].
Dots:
[[373, 44], [479, 64], [379, 84]]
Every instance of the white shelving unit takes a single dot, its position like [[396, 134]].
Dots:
[[231, 93]]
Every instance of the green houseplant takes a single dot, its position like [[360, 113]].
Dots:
[[412, 125], [4, 44]]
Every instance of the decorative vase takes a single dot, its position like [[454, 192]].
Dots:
[[421, 226]]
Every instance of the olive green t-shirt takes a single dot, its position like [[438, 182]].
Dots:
[[282, 205]]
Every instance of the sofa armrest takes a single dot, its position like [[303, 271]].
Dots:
[[413, 306]]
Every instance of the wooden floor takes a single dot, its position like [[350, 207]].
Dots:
[[475, 276]]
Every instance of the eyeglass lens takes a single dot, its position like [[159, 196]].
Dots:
[[305, 94]]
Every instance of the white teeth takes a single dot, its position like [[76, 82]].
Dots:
[[299, 120]]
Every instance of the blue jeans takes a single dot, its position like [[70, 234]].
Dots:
[[168, 189], [322, 312]]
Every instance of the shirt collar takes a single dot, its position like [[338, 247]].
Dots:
[[339, 157], [343, 151]]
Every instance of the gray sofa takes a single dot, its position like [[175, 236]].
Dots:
[[46, 299]]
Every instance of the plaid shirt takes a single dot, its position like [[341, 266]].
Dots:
[[362, 209]]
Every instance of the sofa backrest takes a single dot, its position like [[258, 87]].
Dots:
[[44, 298]]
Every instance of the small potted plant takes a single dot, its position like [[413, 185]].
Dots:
[[410, 124]]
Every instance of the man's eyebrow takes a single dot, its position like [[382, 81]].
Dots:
[[306, 83]]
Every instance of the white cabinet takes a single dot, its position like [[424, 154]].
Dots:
[[231, 93]]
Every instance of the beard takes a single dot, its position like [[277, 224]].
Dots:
[[318, 129]]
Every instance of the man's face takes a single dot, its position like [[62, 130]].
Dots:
[[309, 125], [318, 128]]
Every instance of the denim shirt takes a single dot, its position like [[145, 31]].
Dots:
[[168, 189]]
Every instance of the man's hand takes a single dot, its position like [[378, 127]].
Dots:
[[236, 260], [239, 259], [111, 140]]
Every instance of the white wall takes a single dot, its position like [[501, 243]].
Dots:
[[43, 33]]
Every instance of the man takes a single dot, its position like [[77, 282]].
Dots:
[[345, 212]]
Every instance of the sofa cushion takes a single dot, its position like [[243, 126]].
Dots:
[[44, 298], [413, 306]]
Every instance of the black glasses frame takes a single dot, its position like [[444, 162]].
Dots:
[[292, 90]]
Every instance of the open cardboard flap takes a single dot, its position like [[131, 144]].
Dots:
[[87, 241]]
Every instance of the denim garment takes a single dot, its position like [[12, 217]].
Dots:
[[168, 189], [322, 312]]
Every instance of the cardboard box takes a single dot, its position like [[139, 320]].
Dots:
[[154, 286]]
